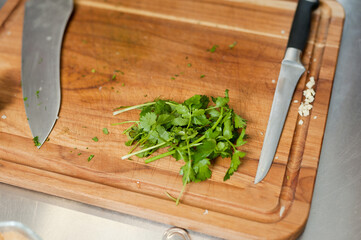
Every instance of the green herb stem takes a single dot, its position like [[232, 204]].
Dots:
[[143, 150], [128, 129], [120, 123], [133, 107], [234, 148], [152, 159], [218, 120], [170, 196], [188, 173]]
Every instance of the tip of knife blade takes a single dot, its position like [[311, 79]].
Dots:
[[257, 180], [260, 175]]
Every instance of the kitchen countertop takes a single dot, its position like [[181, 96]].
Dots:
[[338, 183]]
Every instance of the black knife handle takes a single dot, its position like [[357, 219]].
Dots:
[[301, 24]]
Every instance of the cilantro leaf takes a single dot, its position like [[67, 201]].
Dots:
[[214, 113], [221, 101], [240, 140], [201, 170], [178, 121], [195, 100], [164, 119], [235, 162], [183, 110], [188, 173], [147, 121], [200, 120], [227, 129], [204, 150], [238, 121]]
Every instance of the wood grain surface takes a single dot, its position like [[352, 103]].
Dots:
[[145, 44]]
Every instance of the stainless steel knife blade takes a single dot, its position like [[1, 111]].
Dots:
[[44, 25], [291, 71]]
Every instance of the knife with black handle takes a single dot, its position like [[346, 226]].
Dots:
[[290, 73]]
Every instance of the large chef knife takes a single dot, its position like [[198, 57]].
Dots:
[[291, 70], [44, 25]]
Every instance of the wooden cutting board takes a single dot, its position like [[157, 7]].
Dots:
[[149, 45]]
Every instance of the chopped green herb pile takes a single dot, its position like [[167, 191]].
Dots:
[[95, 139], [192, 131]]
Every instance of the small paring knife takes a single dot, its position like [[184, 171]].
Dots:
[[290, 73], [44, 25]]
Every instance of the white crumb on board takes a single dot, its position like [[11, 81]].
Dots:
[[311, 83], [300, 122], [273, 81], [100, 88], [295, 101], [315, 117], [283, 31], [3, 116], [276, 157], [309, 93], [205, 212], [282, 210], [261, 133]]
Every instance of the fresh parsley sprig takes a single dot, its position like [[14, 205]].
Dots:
[[192, 131]]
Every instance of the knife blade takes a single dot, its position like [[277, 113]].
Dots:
[[290, 73], [44, 25]]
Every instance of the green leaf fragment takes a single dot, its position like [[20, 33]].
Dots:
[[235, 162], [147, 121], [95, 139], [239, 122], [105, 131], [201, 170], [232, 45], [213, 48], [90, 157], [36, 141]]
